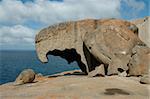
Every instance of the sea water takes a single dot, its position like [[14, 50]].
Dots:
[[13, 62]]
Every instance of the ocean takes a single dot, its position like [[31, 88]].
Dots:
[[13, 62]]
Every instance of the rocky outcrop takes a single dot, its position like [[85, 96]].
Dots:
[[140, 61], [26, 76], [111, 42], [143, 25], [77, 86]]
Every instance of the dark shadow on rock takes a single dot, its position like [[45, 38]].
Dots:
[[34, 82], [75, 73], [113, 91], [99, 75], [92, 61], [68, 74], [54, 76], [26, 83]]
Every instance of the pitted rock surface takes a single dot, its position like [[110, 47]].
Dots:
[[92, 43]]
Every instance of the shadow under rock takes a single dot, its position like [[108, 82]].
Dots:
[[114, 91], [68, 74]]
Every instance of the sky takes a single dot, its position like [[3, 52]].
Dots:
[[21, 20]]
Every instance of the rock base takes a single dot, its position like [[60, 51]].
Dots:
[[76, 85]]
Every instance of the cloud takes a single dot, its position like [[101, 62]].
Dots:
[[48, 12], [17, 34]]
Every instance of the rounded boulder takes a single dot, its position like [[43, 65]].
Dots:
[[26, 76]]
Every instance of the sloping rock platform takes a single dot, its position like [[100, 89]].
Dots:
[[76, 85]]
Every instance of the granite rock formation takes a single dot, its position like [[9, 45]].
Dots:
[[143, 25], [90, 42], [140, 62], [26, 76], [77, 86]]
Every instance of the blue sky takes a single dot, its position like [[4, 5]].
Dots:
[[21, 20]]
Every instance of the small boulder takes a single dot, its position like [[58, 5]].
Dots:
[[26, 76]]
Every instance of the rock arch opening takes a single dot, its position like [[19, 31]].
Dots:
[[70, 55]]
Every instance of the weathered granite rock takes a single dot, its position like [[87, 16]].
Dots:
[[111, 44], [90, 43], [26, 76], [143, 25], [140, 61], [145, 79], [99, 70]]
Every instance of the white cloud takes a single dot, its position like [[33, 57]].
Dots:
[[48, 12], [16, 34]]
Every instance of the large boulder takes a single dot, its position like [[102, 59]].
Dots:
[[26, 76], [111, 44], [91, 43]]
